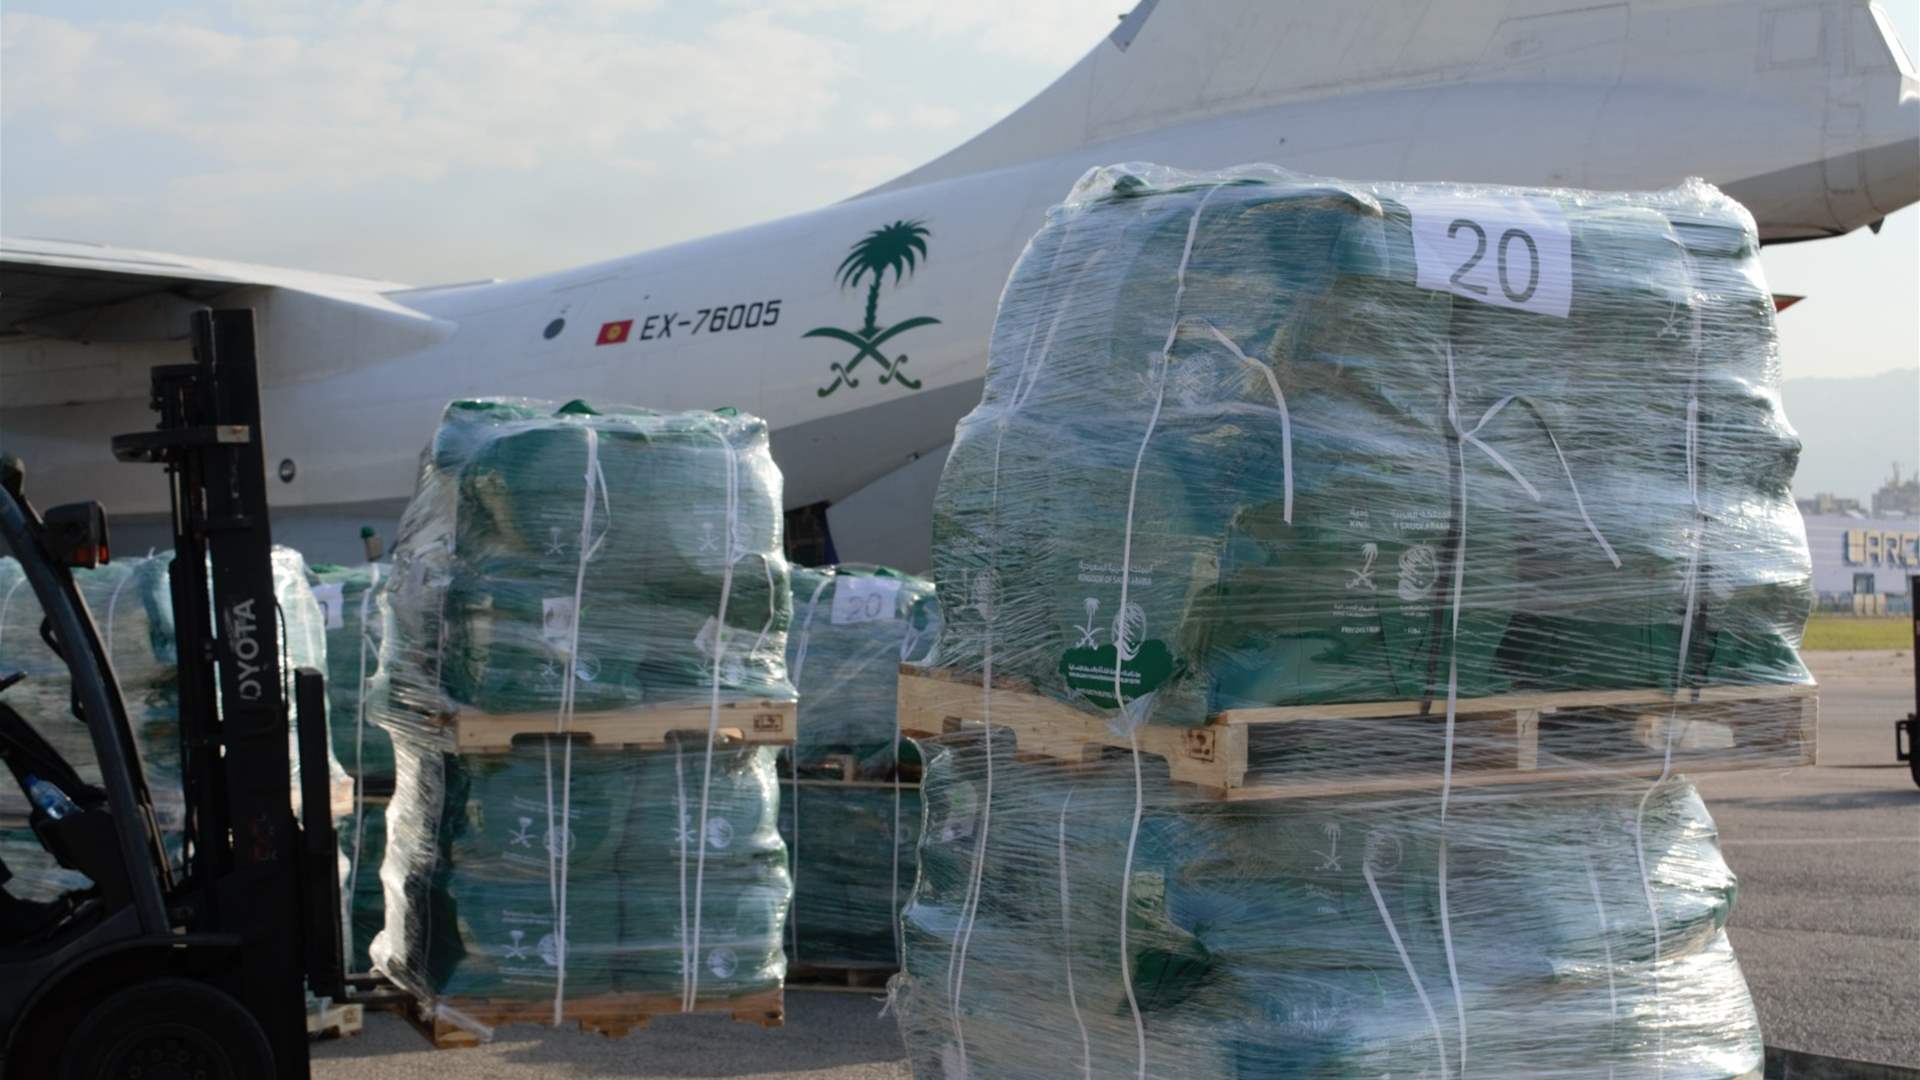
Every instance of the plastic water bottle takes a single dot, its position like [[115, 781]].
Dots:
[[50, 798]]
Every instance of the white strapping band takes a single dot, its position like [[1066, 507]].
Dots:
[[559, 847], [1433, 1019], [793, 852], [1606, 945], [1286, 420], [1031, 363], [7, 604], [1131, 715], [360, 747], [1066, 940], [1465, 436], [690, 974], [1679, 672]]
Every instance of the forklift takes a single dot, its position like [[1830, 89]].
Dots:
[[195, 968], [1906, 733]]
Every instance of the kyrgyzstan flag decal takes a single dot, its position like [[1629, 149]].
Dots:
[[614, 333]]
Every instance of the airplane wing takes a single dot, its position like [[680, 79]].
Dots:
[[90, 292], [85, 322]]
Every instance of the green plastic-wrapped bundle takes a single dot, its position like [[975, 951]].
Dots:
[[365, 833], [1237, 434], [131, 603], [1304, 938], [346, 596], [852, 864], [852, 628], [556, 563], [483, 881], [638, 552], [1436, 504], [132, 611], [303, 644], [851, 851]]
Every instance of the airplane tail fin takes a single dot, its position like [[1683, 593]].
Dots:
[[1167, 61], [1172, 62]]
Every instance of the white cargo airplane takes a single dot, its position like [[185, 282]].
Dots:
[[860, 330]]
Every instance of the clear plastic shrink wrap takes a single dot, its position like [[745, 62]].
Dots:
[[132, 610], [853, 626], [850, 808], [131, 601], [352, 620], [346, 597], [1447, 545], [1290, 482], [556, 565]]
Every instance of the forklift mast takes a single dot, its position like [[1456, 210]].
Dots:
[[252, 870]]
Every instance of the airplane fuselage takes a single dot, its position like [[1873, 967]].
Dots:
[[859, 379]]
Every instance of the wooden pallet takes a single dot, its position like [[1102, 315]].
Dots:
[[845, 980], [1520, 738], [844, 769], [761, 722], [334, 1020], [610, 1015]]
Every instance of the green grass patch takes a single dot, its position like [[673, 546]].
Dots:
[[1848, 632]]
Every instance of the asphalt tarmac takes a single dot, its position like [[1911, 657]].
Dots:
[[1827, 930], [1828, 923]]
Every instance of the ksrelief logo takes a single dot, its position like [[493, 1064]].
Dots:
[[895, 248]]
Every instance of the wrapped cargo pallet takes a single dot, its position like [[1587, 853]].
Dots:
[[1305, 937], [853, 626], [346, 597], [850, 809], [303, 643], [582, 671], [1335, 483], [131, 602], [1335, 579], [133, 613]]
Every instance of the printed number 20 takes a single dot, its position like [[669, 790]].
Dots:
[[1518, 296]]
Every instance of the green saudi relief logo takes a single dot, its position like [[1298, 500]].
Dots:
[[895, 248]]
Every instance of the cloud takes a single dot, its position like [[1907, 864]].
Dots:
[[414, 91], [934, 117], [1046, 32], [865, 170], [426, 140], [70, 206]]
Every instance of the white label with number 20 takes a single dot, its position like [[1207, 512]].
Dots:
[[1505, 251], [864, 599]]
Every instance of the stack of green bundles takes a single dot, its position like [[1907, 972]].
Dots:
[[852, 868], [1255, 439], [133, 615], [556, 562], [853, 626], [636, 542], [132, 609], [1304, 939], [131, 602], [848, 816], [1318, 453], [484, 883], [346, 596]]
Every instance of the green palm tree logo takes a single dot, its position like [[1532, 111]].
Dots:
[[895, 248]]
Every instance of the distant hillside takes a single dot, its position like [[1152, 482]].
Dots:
[[1853, 430]]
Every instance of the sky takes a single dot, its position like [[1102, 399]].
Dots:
[[430, 141]]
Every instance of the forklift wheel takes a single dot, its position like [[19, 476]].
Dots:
[[167, 1027]]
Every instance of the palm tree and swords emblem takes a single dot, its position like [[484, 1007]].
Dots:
[[896, 248]]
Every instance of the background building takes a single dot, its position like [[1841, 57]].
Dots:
[[1861, 563]]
